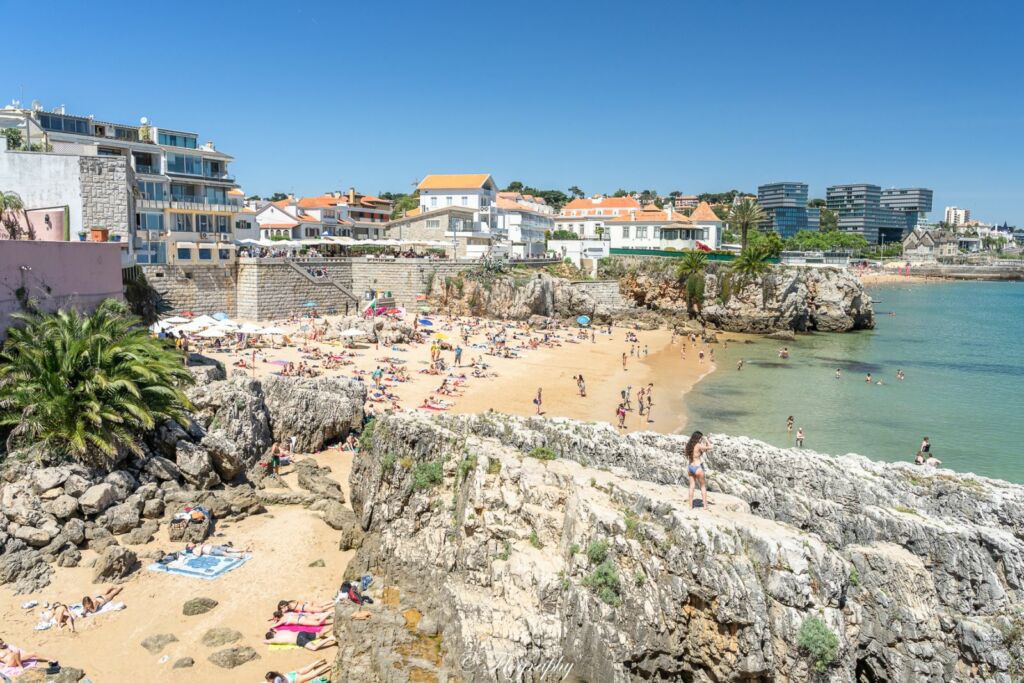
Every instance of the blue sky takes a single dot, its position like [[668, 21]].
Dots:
[[690, 96]]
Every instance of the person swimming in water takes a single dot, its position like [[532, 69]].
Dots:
[[696, 472]]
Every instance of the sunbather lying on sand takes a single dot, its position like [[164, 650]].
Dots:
[[301, 607], [306, 674], [309, 641], [15, 657], [304, 619], [62, 616], [200, 549], [93, 605]]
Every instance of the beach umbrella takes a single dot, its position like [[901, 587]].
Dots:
[[175, 320], [249, 328], [279, 362], [212, 333], [583, 320], [156, 327], [205, 320], [424, 321], [187, 314], [424, 309], [273, 330], [220, 315], [352, 332], [440, 335]]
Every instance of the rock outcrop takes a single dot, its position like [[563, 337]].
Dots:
[[594, 559], [514, 297]]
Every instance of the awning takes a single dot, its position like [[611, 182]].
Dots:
[[225, 245], [185, 245]]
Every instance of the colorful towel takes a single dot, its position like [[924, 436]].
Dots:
[[297, 628], [204, 567], [79, 611], [15, 671]]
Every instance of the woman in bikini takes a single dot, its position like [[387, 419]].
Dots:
[[13, 657], [309, 641], [94, 605], [304, 675], [62, 616], [303, 619], [696, 447], [301, 607]]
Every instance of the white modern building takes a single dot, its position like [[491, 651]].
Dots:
[[589, 217], [183, 209], [956, 216], [526, 220]]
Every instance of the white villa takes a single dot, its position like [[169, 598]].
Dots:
[[654, 228], [588, 218]]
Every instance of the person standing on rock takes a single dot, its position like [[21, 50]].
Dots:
[[696, 472]]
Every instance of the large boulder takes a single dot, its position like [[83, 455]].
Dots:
[[224, 454], [47, 478], [98, 498], [235, 411], [122, 518], [26, 569], [62, 507], [317, 480], [233, 656], [313, 411], [162, 469], [114, 565], [21, 505], [195, 466]]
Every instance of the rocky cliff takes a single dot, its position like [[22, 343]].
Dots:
[[513, 297], [529, 545], [798, 299]]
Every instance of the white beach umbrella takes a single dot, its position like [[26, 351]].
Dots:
[[249, 328], [206, 320], [175, 320], [352, 332], [212, 333], [273, 330]]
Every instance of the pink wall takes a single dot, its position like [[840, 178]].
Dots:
[[58, 275], [54, 232]]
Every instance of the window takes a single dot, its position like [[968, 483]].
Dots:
[[641, 232], [150, 221], [182, 222], [465, 200], [448, 200], [215, 195], [184, 163], [222, 223], [625, 232], [174, 140], [224, 254], [433, 223], [184, 254], [206, 254], [657, 233], [151, 190], [129, 134], [433, 202], [62, 123], [204, 223]]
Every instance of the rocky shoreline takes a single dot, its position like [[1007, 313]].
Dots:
[[593, 559]]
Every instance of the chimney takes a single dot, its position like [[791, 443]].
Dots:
[[291, 197], [351, 195]]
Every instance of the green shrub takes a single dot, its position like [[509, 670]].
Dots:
[[506, 551], [597, 551], [493, 466], [406, 463], [574, 548], [816, 640], [467, 465], [604, 581], [426, 475], [632, 525], [638, 578], [387, 463], [366, 438], [542, 453], [854, 577], [535, 540]]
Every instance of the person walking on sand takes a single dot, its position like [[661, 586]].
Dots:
[[458, 356], [789, 424], [623, 360], [628, 396], [275, 460], [696, 472], [538, 400], [581, 385], [640, 399], [800, 437], [620, 412]]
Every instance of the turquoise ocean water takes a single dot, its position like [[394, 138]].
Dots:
[[961, 345]]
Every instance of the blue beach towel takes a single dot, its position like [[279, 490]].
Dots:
[[204, 567]]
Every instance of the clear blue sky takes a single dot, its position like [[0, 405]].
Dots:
[[690, 96]]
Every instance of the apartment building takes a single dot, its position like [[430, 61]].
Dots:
[[685, 201], [526, 220], [785, 207], [589, 217], [859, 210], [956, 216], [183, 209], [913, 203]]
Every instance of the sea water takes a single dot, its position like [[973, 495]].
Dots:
[[961, 345]]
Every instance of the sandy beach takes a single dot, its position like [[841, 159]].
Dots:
[[288, 539]]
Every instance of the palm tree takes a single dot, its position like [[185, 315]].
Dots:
[[751, 263], [85, 386], [10, 205], [692, 263], [745, 215]]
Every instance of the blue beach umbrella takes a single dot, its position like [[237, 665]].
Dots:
[[424, 321], [583, 320], [220, 315]]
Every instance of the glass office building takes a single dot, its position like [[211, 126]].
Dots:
[[785, 207], [859, 209], [912, 203]]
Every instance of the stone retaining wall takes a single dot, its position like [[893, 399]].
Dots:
[[605, 292], [199, 288]]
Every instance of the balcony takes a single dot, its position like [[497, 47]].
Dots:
[[146, 168], [191, 203], [216, 177]]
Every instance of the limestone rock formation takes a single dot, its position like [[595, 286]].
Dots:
[[313, 411], [514, 297], [595, 559]]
